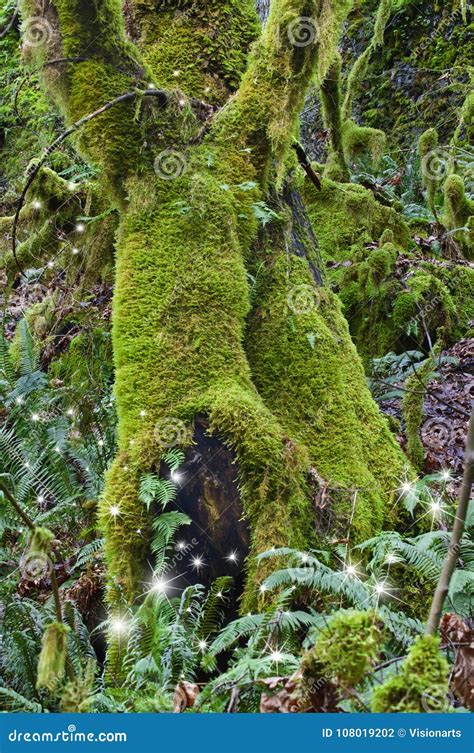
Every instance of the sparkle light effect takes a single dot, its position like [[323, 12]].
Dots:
[[37, 204], [118, 625], [202, 645], [407, 488], [197, 562], [114, 510], [436, 508], [446, 475], [262, 588], [75, 250], [35, 417], [80, 227], [181, 545], [160, 585], [40, 499], [276, 656], [176, 476], [232, 557], [381, 589]]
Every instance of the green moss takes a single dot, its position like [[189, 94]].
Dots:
[[381, 262], [37, 319], [413, 401], [407, 90], [464, 133], [201, 48], [361, 140], [47, 237], [188, 359], [52, 659], [309, 374], [349, 221], [387, 237], [85, 368], [347, 215], [427, 142], [420, 686], [348, 646], [358, 72], [458, 208], [330, 93], [40, 543], [120, 152]]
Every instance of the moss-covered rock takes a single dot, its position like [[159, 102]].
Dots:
[[348, 646], [421, 684], [458, 209], [408, 89], [348, 215]]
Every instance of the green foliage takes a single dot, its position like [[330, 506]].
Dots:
[[309, 573], [164, 529], [53, 457]]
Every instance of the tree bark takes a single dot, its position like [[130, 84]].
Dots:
[[282, 388]]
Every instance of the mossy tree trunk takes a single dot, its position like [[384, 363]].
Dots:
[[214, 322]]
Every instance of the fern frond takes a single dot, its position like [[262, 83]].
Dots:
[[212, 612], [165, 527], [14, 702]]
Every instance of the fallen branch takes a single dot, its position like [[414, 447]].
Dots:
[[306, 165]]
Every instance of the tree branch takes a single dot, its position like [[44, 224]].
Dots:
[[263, 114], [86, 119]]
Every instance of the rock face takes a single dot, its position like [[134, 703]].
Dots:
[[419, 76]]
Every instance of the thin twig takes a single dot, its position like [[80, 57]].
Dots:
[[10, 23], [23, 515]]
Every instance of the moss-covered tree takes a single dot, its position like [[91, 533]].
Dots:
[[222, 321]]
